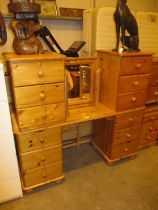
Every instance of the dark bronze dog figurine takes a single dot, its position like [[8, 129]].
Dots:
[[125, 21]]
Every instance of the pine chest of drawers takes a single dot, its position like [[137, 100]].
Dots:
[[123, 88], [38, 95]]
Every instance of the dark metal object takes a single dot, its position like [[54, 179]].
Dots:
[[3, 34], [125, 20]]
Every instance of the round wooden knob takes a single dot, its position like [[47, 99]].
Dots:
[[42, 140], [44, 175], [44, 116], [43, 158], [138, 65], [128, 135], [156, 93], [136, 83], [41, 74], [150, 128], [149, 138], [153, 118], [126, 149], [131, 120], [134, 99], [42, 95]]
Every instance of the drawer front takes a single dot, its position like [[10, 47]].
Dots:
[[150, 128], [38, 95], [41, 157], [151, 117], [152, 95], [30, 141], [123, 150], [133, 83], [126, 135], [43, 174], [154, 80], [131, 100], [37, 117], [146, 140], [135, 65], [32, 73], [129, 119]]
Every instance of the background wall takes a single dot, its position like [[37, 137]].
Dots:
[[66, 32]]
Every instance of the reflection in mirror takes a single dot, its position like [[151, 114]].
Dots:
[[80, 73]]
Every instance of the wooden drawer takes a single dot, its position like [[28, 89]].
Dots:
[[154, 67], [43, 174], [40, 72], [152, 95], [135, 65], [131, 100], [37, 117], [154, 80], [126, 135], [150, 128], [146, 140], [30, 141], [150, 117], [38, 95], [123, 150], [43, 157], [129, 118], [133, 83]]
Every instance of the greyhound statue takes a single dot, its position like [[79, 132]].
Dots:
[[125, 21]]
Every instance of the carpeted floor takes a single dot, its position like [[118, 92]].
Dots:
[[90, 184]]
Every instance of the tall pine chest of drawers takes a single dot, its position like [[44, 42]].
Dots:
[[38, 96], [124, 86]]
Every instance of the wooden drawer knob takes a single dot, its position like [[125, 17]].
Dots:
[[131, 120], [153, 118], [150, 129], [42, 141], [43, 158], [42, 95], [128, 135], [41, 74], [156, 93], [44, 175], [126, 149], [138, 65], [44, 116], [149, 138], [133, 99], [136, 84]]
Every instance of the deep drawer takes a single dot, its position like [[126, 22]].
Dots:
[[42, 174], [40, 72], [38, 95], [135, 65], [38, 158], [30, 141]]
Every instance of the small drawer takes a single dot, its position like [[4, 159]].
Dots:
[[40, 72], [135, 65], [40, 158], [123, 150], [152, 95], [150, 128], [131, 100], [38, 95], [126, 135], [43, 138], [129, 118], [146, 140], [42, 175], [150, 117], [37, 117], [133, 83]]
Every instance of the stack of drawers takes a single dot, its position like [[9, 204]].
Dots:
[[153, 88], [39, 105], [124, 85], [9, 177], [150, 127]]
